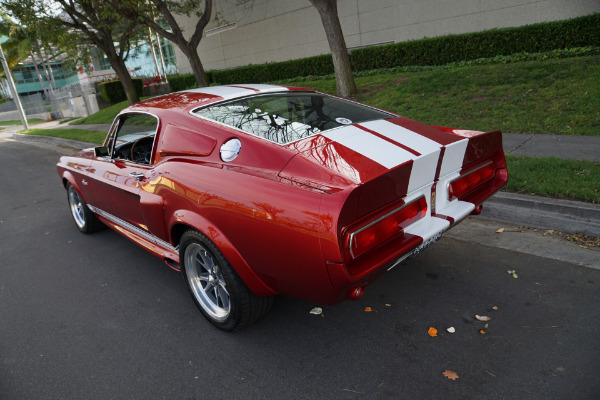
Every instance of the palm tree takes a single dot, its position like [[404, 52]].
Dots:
[[20, 46]]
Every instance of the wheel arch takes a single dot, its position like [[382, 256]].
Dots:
[[183, 220], [68, 178]]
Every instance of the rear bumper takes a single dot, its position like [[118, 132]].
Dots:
[[347, 277]]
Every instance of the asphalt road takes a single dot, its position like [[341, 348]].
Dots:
[[96, 317]]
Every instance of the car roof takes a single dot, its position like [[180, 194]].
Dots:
[[186, 100]]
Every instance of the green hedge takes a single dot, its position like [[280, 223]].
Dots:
[[513, 58], [317, 65], [536, 38], [113, 92], [182, 82], [542, 37]]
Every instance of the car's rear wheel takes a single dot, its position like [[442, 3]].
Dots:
[[216, 288], [85, 220]]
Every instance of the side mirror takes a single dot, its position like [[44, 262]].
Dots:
[[101, 151]]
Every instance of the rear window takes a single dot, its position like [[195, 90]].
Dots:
[[286, 117]]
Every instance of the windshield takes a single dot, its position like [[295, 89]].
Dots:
[[286, 117]]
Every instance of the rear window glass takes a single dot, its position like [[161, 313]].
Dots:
[[286, 117]]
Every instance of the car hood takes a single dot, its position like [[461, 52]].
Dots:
[[401, 151]]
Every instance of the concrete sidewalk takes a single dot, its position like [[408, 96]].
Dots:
[[533, 211], [560, 146]]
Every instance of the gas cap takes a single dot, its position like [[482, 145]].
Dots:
[[230, 149]]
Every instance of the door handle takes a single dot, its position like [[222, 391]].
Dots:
[[137, 175]]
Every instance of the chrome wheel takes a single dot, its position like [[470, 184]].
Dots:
[[77, 206], [206, 282]]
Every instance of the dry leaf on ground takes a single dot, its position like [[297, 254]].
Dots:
[[482, 318], [432, 331], [500, 230], [482, 332], [450, 374], [495, 308], [368, 309], [513, 273]]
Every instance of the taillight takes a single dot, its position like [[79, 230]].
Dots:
[[470, 181], [386, 227]]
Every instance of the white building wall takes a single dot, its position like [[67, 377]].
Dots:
[[279, 30]]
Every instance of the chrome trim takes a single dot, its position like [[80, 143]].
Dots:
[[191, 112], [370, 224], [462, 176], [402, 258], [134, 229], [138, 176]]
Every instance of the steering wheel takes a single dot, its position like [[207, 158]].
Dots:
[[142, 155]]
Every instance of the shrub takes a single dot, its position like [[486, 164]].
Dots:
[[182, 82], [317, 65], [542, 37], [113, 92]]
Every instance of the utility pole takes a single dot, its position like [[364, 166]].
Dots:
[[13, 89]]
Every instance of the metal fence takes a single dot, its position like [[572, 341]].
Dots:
[[69, 101]]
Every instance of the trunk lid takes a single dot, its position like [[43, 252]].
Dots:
[[386, 158]]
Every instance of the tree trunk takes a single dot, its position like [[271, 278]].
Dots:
[[121, 70], [197, 68], [162, 58], [344, 81], [160, 52], [50, 87], [50, 69], [151, 43]]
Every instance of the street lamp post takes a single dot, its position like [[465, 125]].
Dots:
[[13, 90]]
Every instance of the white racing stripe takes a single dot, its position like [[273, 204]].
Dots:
[[453, 157], [233, 91], [428, 227], [370, 146], [457, 210], [423, 171], [406, 137], [224, 91], [264, 88]]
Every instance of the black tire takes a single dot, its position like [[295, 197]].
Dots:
[[84, 219], [218, 291]]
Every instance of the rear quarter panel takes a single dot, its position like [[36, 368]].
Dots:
[[275, 226]]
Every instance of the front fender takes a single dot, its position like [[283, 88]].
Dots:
[[204, 226], [67, 176]]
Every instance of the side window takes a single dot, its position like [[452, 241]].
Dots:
[[134, 138]]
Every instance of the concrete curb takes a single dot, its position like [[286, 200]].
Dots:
[[542, 212], [532, 211], [76, 144]]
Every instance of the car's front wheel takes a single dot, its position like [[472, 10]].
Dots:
[[85, 220], [216, 288]]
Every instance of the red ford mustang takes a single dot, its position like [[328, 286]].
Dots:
[[258, 190]]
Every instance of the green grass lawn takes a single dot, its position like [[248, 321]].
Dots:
[[104, 116], [554, 177], [559, 96], [83, 135]]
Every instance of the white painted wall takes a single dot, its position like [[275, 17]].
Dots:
[[279, 30]]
